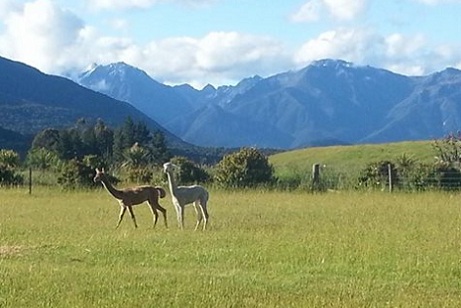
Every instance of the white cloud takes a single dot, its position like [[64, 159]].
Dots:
[[119, 24], [346, 9], [355, 45], [120, 4], [399, 46], [404, 54], [309, 12], [218, 58], [8, 6], [437, 2], [138, 4], [54, 40], [40, 34], [343, 10]]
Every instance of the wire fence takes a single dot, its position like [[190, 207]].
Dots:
[[385, 178]]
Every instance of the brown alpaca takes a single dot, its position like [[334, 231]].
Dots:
[[129, 197]]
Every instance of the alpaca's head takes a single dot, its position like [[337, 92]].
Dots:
[[169, 167], [99, 175]]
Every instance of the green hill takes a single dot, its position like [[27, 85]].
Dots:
[[350, 159]]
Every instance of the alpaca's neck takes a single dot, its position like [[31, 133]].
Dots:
[[171, 183], [117, 194]]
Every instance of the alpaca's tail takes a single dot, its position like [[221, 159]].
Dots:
[[161, 191]]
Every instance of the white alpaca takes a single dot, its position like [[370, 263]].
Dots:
[[183, 195]]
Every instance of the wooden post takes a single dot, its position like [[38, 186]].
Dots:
[[315, 176], [30, 180], [389, 173]]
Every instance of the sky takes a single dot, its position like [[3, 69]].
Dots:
[[221, 42]]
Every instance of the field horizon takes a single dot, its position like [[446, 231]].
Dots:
[[349, 157]]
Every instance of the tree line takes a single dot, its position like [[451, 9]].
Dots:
[[73, 153], [137, 154]]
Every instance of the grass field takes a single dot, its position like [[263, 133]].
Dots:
[[351, 158], [263, 249]]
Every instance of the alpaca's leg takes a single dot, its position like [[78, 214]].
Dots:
[[179, 214], [154, 213], [198, 213], [120, 216], [130, 209], [203, 208], [203, 202], [163, 210]]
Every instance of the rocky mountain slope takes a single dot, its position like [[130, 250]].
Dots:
[[327, 102]]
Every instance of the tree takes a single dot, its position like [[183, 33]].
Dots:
[[70, 145], [41, 158], [188, 172], [9, 162], [47, 139], [245, 168], [160, 152], [136, 162], [136, 157], [129, 134], [104, 140]]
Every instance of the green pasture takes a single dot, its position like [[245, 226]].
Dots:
[[263, 249], [350, 159]]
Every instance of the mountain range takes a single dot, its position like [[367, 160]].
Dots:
[[31, 101], [327, 102]]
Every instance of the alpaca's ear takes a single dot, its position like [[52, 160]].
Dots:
[[97, 170], [102, 170]]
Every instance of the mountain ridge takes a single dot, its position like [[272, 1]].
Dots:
[[327, 100], [31, 101]]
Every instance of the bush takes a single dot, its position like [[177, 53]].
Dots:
[[140, 175], [376, 175], [42, 159], [245, 168], [8, 176], [445, 176], [189, 173], [9, 162], [75, 174]]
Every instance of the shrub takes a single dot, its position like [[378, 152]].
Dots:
[[8, 177], [140, 175], [75, 174], [376, 175], [445, 176], [189, 172], [42, 159], [9, 162], [245, 168]]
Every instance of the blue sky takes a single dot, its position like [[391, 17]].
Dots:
[[223, 41]]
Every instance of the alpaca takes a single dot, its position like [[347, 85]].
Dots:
[[129, 197], [183, 195]]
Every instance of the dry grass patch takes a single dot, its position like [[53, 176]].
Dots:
[[8, 251]]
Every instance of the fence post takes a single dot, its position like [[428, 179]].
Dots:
[[315, 176], [30, 180], [389, 172]]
